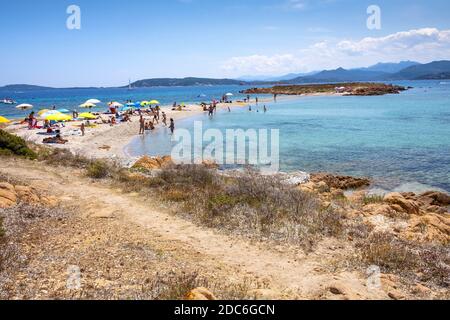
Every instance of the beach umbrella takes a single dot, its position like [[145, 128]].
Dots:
[[49, 113], [229, 94], [115, 105], [4, 120], [24, 106], [58, 117], [87, 105], [131, 104], [154, 102], [63, 110], [126, 109], [93, 101], [87, 115], [144, 103], [43, 111]]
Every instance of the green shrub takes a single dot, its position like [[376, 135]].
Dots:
[[371, 199], [98, 170], [14, 145]]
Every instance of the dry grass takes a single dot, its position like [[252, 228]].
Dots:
[[257, 206], [427, 263]]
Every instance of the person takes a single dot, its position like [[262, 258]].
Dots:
[[275, 97], [172, 125], [250, 108], [265, 109], [141, 125], [257, 100], [113, 121], [211, 111], [155, 118], [229, 109], [83, 128], [164, 119]]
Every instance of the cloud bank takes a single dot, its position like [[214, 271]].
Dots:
[[422, 45]]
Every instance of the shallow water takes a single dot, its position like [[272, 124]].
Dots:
[[401, 141]]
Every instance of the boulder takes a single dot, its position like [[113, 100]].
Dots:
[[153, 163], [409, 206], [27, 194], [340, 182], [435, 198], [200, 294]]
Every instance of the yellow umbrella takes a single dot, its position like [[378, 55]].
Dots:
[[58, 117], [144, 103], [43, 111], [154, 102], [4, 120], [87, 115]]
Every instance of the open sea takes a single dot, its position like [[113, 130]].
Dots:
[[401, 141]]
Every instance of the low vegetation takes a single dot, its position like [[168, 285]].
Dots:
[[426, 263], [13, 145]]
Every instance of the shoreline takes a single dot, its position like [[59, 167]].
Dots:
[[109, 142]]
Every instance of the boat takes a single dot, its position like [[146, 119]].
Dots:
[[8, 101]]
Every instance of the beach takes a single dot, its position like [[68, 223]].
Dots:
[[108, 142]]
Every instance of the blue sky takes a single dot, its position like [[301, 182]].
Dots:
[[139, 39]]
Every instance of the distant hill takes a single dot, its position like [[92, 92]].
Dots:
[[285, 77], [23, 87], [433, 70], [341, 75], [174, 82], [390, 67]]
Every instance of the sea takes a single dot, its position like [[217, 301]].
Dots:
[[400, 141]]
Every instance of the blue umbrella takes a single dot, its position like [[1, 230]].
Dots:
[[137, 104], [64, 110], [126, 109]]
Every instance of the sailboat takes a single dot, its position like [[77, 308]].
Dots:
[[129, 85], [7, 101]]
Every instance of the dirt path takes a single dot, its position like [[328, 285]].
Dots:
[[290, 274]]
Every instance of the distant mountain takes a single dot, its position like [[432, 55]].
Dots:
[[285, 77], [341, 75], [390, 67], [23, 87], [174, 82], [433, 70]]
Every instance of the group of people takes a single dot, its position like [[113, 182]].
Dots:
[[149, 125]]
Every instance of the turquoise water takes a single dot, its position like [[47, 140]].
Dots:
[[401, 141], [397, 140]]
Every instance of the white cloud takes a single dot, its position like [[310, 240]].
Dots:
[[421, 45]]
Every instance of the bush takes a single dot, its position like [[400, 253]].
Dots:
[[63, 157], [371, 199], [430, 263], [98, 170], [14, 145]]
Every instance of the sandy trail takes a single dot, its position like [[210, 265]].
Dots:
[[291, 274]]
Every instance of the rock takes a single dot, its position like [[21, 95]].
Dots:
[[379, 209], [340, 182], [5, 203], [357, 197], [153, 163], [410, 207], [435, 198], [429, 228], [295, 178], [420, 289], [49, 201], [27, 194], [322, 187], [200, 294], [396, 295], [8, 194]]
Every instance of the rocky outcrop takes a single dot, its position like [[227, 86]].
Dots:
[[340, 182], [11, 195], [200, 294], [153, 163]]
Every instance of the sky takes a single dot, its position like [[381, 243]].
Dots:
[[120, 40]]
